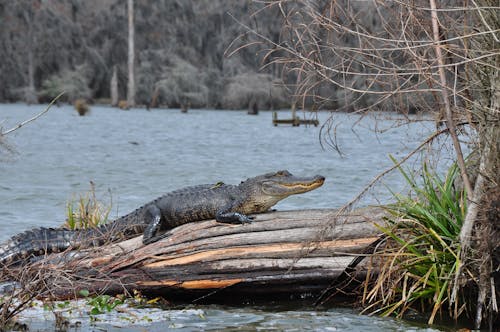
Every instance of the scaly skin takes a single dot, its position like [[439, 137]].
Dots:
[[226, 203]]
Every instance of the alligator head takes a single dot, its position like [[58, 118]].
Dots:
[[266, 190]]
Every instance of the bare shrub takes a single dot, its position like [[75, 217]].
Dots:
[[73, 82], [243, 89], [182, 83]]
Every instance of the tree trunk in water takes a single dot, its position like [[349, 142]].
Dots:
[[131, 79], [114, 87]]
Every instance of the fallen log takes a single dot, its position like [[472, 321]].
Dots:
[[281, 253]]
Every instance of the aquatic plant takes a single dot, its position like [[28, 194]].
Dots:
[[123, 105], [81, 106], [89, 212], [101, 304], [418, 263], [137, 300]]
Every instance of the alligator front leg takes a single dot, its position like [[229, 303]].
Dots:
[[227, 215], [153, 220]]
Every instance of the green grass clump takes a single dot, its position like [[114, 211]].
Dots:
[[416, 267], [86, 212]]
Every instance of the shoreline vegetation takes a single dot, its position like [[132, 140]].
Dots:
[[415, 268], [189, 54]]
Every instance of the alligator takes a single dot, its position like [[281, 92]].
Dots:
[[223, 202]]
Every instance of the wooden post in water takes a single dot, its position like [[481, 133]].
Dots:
[[295, 121]]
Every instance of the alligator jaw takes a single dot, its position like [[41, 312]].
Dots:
[[302, 185], [283, 184]]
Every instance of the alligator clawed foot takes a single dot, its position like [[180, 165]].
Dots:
[[156, 238]]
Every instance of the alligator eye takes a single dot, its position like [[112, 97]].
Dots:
[[282, 173]]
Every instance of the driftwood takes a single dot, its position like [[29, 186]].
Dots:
[[290, 252]]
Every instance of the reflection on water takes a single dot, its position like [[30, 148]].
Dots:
[[138, 155]]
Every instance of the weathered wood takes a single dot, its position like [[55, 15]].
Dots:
[[281, 252]]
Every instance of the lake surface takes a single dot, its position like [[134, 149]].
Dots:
[[135, 156]]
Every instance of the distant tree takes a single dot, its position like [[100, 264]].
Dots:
[[27, 13], [114, 87], [131, 55], [29, 16]]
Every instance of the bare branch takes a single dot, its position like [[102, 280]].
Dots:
[[33, 118], [444, 92]]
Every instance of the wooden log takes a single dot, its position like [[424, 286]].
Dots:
[[287, 252]]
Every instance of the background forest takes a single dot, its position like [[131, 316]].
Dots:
[[54, 45]]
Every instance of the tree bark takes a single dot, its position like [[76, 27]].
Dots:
[[280, 253]]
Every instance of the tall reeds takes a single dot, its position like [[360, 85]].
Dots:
[[421, 256]]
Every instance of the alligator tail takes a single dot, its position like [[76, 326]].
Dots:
[[35, 242]]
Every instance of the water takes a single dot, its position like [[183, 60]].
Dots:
[[135, 156], [223, 318]]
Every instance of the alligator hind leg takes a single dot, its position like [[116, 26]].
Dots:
[[153, 220]]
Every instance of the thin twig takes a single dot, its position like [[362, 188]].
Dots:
[[479, 11], [33, 118]]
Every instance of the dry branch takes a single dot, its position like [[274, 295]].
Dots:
[[21, 124]]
